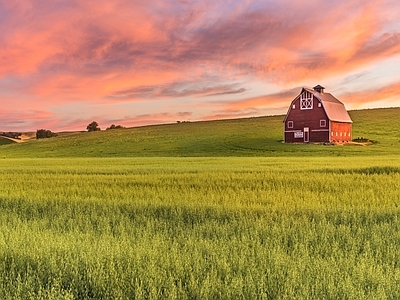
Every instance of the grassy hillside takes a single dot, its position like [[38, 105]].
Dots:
[[261, 136], [5, 141]]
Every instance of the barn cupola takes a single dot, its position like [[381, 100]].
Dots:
[[319, 89]]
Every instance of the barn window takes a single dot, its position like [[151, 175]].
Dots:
[[306, 100], [319, 104], [332, 133], [294, 106], [322, 123], [290, 124], [345, 133]]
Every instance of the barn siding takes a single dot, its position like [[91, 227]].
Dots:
[[306, 118], [319, 136], [341, 132]]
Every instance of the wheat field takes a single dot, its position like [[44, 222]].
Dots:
[[200, 228]]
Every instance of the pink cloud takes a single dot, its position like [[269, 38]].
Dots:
[[364, 97], [111, 52], [275, 99], [14, 120]]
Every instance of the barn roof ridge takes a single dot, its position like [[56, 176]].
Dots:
[[323, 96], [334, 109]]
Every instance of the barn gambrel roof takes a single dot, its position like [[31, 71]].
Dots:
[[334, 109]]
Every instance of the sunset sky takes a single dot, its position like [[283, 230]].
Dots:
[[65, 63]]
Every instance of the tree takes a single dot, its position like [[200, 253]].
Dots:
[[44, 134], [93, 127]]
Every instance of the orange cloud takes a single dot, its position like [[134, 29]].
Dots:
[[361, 98], [213, 55], [267, 100], [14, 120]]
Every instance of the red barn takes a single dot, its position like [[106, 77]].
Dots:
[[316, 116]]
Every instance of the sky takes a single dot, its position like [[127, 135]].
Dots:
[[66, 63]]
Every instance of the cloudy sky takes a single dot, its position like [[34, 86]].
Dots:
[[65, 63]]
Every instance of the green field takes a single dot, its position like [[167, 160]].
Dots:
[[208, 210], [240, 137]]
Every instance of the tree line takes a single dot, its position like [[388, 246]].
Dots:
[[93, 126]]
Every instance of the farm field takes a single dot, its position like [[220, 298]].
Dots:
[[202, 210], [200, 228]]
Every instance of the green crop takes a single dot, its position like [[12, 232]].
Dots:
[[200, 228]]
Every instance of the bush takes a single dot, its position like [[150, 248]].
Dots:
[[115, 127], [44, 134], [13, 135]]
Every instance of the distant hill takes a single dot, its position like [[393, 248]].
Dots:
[[259, 136]]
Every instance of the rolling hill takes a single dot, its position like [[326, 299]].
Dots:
[[5, 141], [258, 136]]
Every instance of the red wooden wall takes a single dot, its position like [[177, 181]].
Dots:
[[341, 132], [307, 118]]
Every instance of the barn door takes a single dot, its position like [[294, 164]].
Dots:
[[306, 135]]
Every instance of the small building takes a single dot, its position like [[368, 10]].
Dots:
[[315, 116]]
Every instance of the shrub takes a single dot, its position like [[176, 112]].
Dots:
[[115, 127], [43, 134], [13, 135]]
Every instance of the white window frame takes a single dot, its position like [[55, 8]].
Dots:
[[290, 124], [306, 100], [322, 123]]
